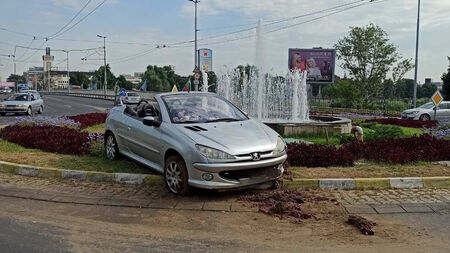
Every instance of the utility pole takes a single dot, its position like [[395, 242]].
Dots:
[[196, 30], [68, 72], [104, 61], [417, 56]]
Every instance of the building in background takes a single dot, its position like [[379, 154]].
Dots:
[[135, 79], [437, 84], [48, 61]]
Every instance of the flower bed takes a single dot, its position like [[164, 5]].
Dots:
[[47, 121], [404, 122], [395, 151], [317, 155], [89, 119], [49, 138]]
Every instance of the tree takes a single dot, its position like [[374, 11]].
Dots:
[[123, 83], [426, 90], [99, 76], [446, 85], [344, 90], [367, 55], [79, 79], [16, 78], [160, 78]]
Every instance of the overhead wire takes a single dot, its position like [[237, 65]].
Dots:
[[71, 20]]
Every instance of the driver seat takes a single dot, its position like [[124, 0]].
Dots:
[[147, 110]]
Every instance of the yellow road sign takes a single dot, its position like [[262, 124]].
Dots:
[[174, 88], [437, 98]]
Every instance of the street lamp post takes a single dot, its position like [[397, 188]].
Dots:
[[196, 30], [417, 55], [104, 62]]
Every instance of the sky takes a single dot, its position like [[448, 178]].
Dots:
[[135, 28]]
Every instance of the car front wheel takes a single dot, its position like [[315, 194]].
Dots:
[[41, 110], [111, 147], [425, 117], [29, 111], [176, 176]]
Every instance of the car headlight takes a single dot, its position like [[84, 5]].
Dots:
[[2, 105], [21, 106], [281, 146], [212, 153], [415, 112]]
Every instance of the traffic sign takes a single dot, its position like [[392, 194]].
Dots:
[[437, 98], [197, 75], [196, 82], [122, 92], [174, 88]]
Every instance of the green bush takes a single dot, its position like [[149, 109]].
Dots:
[[374, 131]]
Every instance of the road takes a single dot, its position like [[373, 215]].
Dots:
[[65, 106], [49, 225]]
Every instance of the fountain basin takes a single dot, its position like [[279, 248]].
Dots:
[[316, 125]]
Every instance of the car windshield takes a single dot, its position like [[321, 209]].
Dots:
[[201, 108], [18, 97], [133, 94], [427, 106]]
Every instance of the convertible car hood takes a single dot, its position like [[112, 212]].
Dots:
[[235, 138]]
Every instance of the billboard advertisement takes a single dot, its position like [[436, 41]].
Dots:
[[205, 59], [319, 63]]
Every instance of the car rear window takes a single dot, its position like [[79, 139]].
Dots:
[[132, 94]]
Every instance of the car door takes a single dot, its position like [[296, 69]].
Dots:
[[33, 102], [442, 112], [144, 141]]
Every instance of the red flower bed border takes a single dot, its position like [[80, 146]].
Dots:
[[55, 139], [89, 119], [396, 151], [404, 122]]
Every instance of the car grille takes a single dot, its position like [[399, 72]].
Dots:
[[271, 172], [11, 106]]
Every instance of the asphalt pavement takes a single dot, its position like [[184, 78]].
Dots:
[[64, 106]]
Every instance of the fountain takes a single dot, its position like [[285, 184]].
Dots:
[[281, 102]]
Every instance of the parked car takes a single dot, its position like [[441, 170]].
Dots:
[[196, 140], [426, 112], [131, 98], [5, 90], [22, 103]]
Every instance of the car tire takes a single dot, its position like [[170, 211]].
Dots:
[[29, 111], [111, 147], [41, 110], [176, 176], [425, 117]]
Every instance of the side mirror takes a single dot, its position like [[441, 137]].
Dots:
[[151, 121]]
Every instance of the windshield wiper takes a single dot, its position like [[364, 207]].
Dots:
[[223, 119]]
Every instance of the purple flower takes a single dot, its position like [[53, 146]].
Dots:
[[46, 121]]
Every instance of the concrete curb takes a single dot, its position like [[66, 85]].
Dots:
[[299, 183], [368, 183], [91, 176]]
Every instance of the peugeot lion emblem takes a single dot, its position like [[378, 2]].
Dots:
[[256, 156]]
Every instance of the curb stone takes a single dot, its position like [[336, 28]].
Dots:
[[92, 176], [368, 183], [298, 183]]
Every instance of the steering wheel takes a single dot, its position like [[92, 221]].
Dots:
[[139, 103]]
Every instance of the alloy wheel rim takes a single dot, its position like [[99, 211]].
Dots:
[[29, 111], [110, 147], [173, 177]]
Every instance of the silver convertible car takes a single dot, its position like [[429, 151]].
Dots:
[[196, 139]]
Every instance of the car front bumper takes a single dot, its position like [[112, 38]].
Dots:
[[13, 109], [410, 116], [237, 174]]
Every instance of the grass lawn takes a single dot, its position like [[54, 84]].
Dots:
[[366, 169], [14, 153], [100, 128], [409, 131]]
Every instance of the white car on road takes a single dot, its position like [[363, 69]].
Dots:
[[426, 112]]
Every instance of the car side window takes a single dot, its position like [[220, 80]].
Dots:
[[32, 97]]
